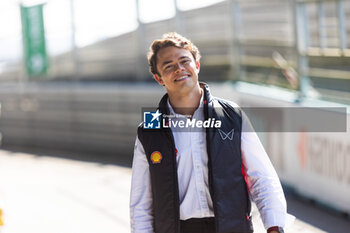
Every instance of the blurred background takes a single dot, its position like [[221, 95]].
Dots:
[[74, 79]]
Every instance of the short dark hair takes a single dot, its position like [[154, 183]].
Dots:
[[169, 39]]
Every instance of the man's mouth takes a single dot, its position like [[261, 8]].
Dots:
[[181, 78]]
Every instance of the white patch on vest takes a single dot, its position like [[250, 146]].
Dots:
[[228, 135]]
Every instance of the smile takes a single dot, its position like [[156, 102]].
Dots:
[[181, 78]]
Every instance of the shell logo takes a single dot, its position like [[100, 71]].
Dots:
[[1, 220], [156, 157]]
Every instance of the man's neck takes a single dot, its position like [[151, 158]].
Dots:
[[187, 104]]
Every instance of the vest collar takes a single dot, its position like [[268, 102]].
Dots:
[[207, 98]]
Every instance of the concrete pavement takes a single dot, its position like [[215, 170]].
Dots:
[[51, 195], [43, 194]]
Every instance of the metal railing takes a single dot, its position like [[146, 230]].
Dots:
[[285, 43]]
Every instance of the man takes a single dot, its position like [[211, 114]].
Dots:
[[199, 180]]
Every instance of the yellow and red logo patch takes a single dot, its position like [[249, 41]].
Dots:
[[156, 157], [1, 220]]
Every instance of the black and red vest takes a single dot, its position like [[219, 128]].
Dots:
[[227, 184]]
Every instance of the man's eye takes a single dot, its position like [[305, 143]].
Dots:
[[168, 67]]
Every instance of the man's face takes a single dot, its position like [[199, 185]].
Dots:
[[178, 70]]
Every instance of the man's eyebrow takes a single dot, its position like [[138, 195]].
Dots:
[[180, 58], [166, 62]]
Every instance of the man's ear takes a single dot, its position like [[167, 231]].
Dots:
[[198, 65], [158, 79]]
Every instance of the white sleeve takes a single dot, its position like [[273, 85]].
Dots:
[[141, 207], [262, 180]]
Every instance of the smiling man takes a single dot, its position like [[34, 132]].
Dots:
[[199, 180], [177, 69]]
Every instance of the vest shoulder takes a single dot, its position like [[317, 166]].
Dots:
[[143, 133], [226, 103], [233, 104], [140, 129], [140, 126]]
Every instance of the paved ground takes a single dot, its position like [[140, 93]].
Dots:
[[43, 194]]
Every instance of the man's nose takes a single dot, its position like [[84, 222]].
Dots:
[[179, 67]]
